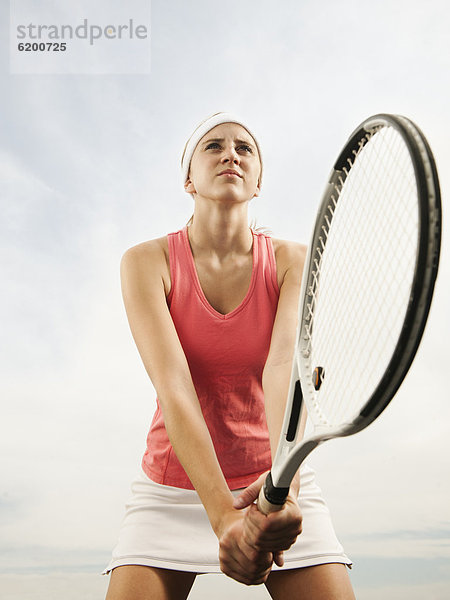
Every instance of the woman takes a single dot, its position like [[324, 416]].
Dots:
[[213, 311]]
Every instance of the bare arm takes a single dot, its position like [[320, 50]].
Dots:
[[143, 270], [277, 370], [278, 531]]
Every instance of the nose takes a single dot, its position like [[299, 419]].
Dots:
[[230, 155]]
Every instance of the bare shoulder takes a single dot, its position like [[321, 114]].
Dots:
[[147, 261], [290, 259]]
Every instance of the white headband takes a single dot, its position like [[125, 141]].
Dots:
[[202, 130]]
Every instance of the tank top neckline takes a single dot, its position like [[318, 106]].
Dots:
[[199, 289]]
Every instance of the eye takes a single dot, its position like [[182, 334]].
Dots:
[[246, 148], [212, 145]]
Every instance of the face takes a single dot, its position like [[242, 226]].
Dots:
[[225, 165]]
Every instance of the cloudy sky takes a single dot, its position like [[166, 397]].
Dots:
[[90, 166]]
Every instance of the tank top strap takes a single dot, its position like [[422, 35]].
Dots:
[[266, 265], [178, 260]]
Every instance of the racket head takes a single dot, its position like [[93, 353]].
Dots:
[[391, 154], [376, 241]]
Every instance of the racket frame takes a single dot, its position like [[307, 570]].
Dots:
[[289, 455]]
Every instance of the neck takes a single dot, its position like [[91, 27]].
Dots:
[[220, 229]]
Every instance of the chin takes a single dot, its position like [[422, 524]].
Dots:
[[231, 197]]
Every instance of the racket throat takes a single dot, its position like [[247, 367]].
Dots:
[[294, 419]]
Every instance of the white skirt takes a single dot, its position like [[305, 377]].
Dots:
[[167, 527]]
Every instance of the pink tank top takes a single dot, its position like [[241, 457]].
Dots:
[[226, 356]]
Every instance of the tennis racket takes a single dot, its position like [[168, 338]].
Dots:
[[366, 290]]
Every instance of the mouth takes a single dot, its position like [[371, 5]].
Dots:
[[230, 173]]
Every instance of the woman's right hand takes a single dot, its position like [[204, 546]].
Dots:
[[239, 560]]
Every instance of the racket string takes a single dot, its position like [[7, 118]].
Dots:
[[357, 298]]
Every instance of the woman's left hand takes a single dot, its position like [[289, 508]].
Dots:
[[275, 532]]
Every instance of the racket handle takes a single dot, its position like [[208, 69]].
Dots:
[[271, 498]]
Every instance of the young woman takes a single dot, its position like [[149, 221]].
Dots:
[[213, 311]]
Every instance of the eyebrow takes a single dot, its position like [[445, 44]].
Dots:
[[238, 141]]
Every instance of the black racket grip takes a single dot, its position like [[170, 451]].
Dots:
[[271, 498]]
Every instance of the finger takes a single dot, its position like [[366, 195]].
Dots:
[[251, 569], [256, 532], [275, 546], [249, 494], [278, 558], [265, 535], [273, 543], [259, 527], [254, 525], [237, 552], [246, 579], [288, 520]]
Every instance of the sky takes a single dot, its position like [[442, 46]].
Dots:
[[89, 166]]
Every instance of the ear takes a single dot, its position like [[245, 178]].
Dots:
[[189, 186], [257, 191]]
